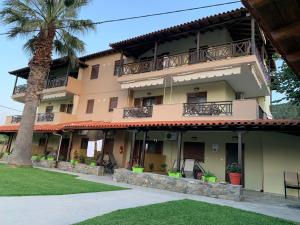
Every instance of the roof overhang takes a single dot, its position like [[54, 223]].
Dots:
[[280, 21]]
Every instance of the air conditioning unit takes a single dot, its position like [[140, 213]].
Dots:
[[171, 136], [83, 132]]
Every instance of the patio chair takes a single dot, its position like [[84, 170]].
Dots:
[[291, 181], [188, 167]]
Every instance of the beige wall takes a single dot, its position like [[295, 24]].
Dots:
[[55, 103], [101, 89]]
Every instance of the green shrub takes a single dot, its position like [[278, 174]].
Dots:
[[1, 154], [233, 168], [209, 174]]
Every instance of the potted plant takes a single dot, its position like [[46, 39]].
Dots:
[[151, 166], [74, 162], [234, 173], [50, 158], [138, 169], [209, 177], [174, 173], [163, 167]]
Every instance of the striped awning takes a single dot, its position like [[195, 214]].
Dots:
[[142, 83]]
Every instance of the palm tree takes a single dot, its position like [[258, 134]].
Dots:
[[48, 26]]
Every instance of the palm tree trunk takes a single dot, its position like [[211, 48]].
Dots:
[[39, 68]]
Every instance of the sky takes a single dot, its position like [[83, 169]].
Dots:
[[13, 57]]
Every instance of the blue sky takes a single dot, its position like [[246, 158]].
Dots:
[[13, 57]]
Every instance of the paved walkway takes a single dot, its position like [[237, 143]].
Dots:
[[69, 209]]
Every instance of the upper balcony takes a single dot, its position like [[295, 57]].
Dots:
[[222, 110], [54, 88], [239, 63], [44, 118]]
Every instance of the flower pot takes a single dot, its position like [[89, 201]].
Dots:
[[235, 178], [92, 164], [175, 174], [209, 179], [137, 169], [50, 159]]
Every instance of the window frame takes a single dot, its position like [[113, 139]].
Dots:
[[112, 107], [95, 75], [90, 106]]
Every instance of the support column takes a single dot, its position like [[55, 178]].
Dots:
[[46, 144], [155, 55], [70, 146], [132, 149], [101, 156], [198, 46], [142, 163], [240, 155], [121, 64], [10, 138], [16, 81], [253, 49], [179, 147]]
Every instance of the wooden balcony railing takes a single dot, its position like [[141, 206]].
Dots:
[[16, 119], [56, 82], [234, 49], [50, 83], [207, 109], [138, 112], [45, 117], [20, 89]]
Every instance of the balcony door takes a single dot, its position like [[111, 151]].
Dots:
[[148, 101], [195, 98], [49, 109]]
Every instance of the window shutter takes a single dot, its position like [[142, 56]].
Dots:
[[69, 108], [113, 103], [194, 150], [117, 70], [63, 108], [95, 72], [90, 106], [137, 102], [159, 100]]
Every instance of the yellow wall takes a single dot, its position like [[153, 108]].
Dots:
[[55, 103], [281, 153]]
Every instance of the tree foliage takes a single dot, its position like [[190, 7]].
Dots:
[[286, 82]]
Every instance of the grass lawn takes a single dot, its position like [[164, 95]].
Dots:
[[184, 212], [31, 181]]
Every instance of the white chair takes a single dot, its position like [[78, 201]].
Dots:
[[188, 167], [175, 164]]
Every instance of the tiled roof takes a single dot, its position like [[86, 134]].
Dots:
[[222, 124]]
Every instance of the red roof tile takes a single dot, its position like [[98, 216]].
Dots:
[[81, 125]]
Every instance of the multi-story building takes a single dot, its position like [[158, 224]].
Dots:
[[198, 90]]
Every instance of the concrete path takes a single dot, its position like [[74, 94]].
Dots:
[[69, 209]]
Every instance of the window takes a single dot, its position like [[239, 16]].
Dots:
[[154, 147], [49, 109], [90, 106], [199, 97], [95, 72], [84, 143], [42, 141], [67, 108], [117, 70], [113, 103], [148, 101]]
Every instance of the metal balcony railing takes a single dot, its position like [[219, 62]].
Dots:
[[20, 89], [138, 112], [16, 119], [207, 109]]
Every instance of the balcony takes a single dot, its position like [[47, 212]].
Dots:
[[235, 49], [42, 118], [58, 87], [223, 110], [238, 63]]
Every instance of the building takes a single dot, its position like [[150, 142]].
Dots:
[[197, 90]]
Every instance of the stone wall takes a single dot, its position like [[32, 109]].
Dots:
[[44, 163], [182, 185]]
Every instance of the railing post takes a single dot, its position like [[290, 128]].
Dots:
[[155, 55], [253, 35], [142, 163], [179, 147], [198, 46], [132, 149]]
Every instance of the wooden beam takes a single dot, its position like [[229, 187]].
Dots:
[[132, 149], [70, 146], [16, 81], [287, 31], [179, 146], [155, 54], [144, 149], [293, 57], [10, 138], [46, 144]]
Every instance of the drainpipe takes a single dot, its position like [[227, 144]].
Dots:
[[58, 151]]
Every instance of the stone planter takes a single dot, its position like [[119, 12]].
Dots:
[[44, 163], [137, 169], [183, 185], [174, 174]]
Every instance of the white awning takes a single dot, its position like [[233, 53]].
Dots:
[[143, 83], [53, 96], [207, 74]]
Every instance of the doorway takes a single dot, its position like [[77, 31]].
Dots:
[[232, 157], [64, 148]]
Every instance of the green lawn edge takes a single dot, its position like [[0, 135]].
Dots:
[[184, 212]]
